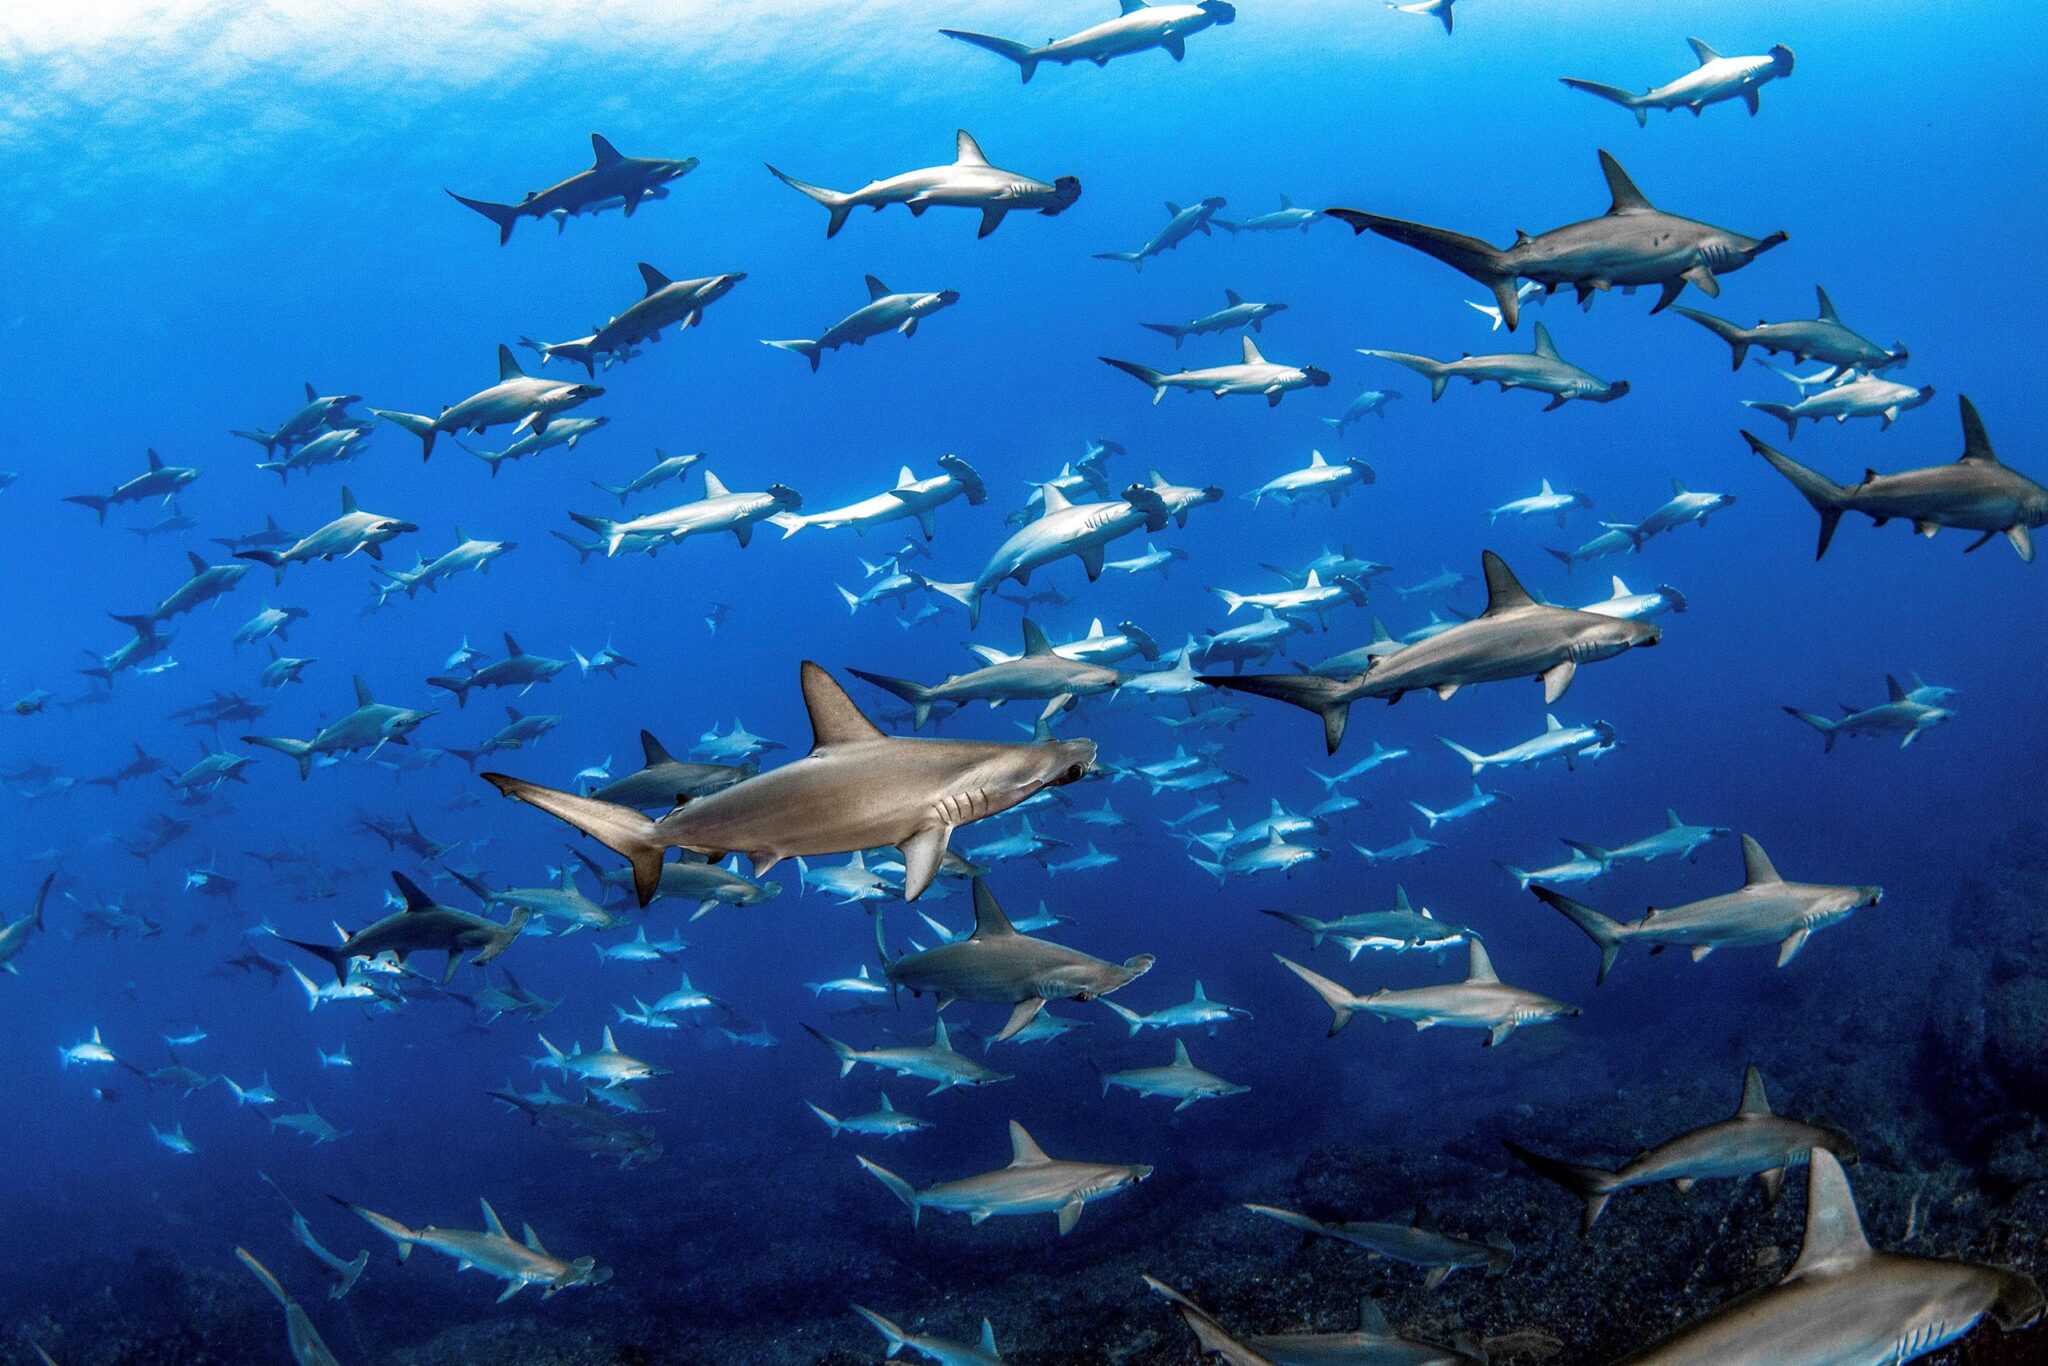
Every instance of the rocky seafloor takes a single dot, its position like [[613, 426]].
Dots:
[[1938, 1065]]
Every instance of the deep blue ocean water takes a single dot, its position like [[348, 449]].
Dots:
[[212, 207]]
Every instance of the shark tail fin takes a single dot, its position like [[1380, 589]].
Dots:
[[1131, 1018], [1339, 998], [1173, 330], [1020, 53], [896, 1184], [831, 1120], [844, 1052], [347, 1274], [1826, 496], [1211, 1338], [896, 1338], [837, 205], [1482, 261], [1736, 337], [603, 527], [1826, 726], [262, 1273], [384, 1224], [916, 694], [1605, 933], [1782, 412], [336, 955], [1307, 923], [1326, 697], [809, 350], [419, 424], [1594, 1185], [1475, 759], [504, 215], [620, 829], [93, 501], [300, 750], [1437, 372], [458, 686], [1627, 99], [1144, 374]]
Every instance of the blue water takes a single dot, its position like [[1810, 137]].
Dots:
[[203, 220]]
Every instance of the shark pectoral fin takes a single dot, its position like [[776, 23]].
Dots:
[[1794, 942], [1435, 1277], [1186, 1101], [1557, 680], [2022, 539], [511, 1290], [1700, 951], [991, 219], [1556, 401], [922, 854], [1091, 560], [1704, 280], [1024, 1014], [1773, 1182], [1499, 1033], [1070, 1215]]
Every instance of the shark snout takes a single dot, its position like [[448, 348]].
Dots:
[[1869, 896], [2017, 1303], [1222, 13], [583, 393], [1317, 376], [1065, 191]]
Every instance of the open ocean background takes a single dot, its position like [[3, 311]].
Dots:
[[212, 203]]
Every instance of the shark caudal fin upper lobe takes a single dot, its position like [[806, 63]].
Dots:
[[1172, 330], [1828, 498], [1605, 933], [1594, 1185], [1144, 374], [504, 215], [418, 424], [459, 686], [620, 829], [916, 694], [1437, 372], [1736, 337], [1826, 726], [1627, 99], [809, 350], [336, 956], [1328, 698], [837, 204], [1020, 53], [91, 500], [897, 1186], [1481, 260], [300, 750]]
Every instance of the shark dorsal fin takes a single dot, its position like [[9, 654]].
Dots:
[[966, 151], [1827, 306], [1627, 198], [1024, 1149], [1895, 691], [1547, 490], [602, 152], [1251, 352], [1200, 995], [415, 898], [512, 649], [1756, 864], [1620, 588], [1232, 297], [988, 1340], [508, 364], [1702, 52], [492, 1224], [156, 462], [835, 720], [198, 565], [1754, 1101], [1401, 901], [714, 487], [363, 697], [1544, 347], [1180, 1054], [941, 1040], [1055, 501], [876, 289], [989, 920], [1372, 1320], [1095, 629], [1550, 722], [348, 501], [1976, 445], [1035, 641], [533, 1242], [1504, 592], [653, 751], [1130, 6], [653, 279], [904, 476], [887, 1104], [609, 1045], [1834, 1232], [1482, 964]]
